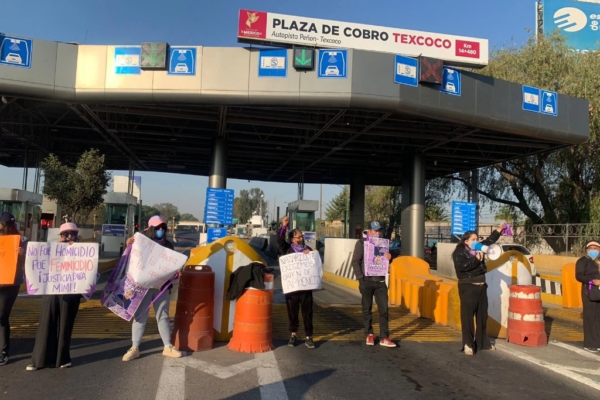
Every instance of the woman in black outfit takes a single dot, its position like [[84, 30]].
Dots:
[[294, 299], [587, 269], [470, 270]]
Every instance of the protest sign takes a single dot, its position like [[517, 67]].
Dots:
[[60, 268], [8, 258], [152, 265], [375, 262], [301, 271]]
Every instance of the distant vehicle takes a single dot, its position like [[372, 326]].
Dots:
[[181, 68], [13, 58], [332, 70], [189, 230], [395, 248]]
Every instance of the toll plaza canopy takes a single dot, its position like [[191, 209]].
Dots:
[[348, 116]]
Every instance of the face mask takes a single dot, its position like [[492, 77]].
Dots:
[[593, 254], [159, 234]]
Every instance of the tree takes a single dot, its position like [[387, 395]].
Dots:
[[557, 187], [247, 203], [76, 190], [436, 213], [383, 204], [187, 217], [167, 211], [147, 213], [507, 213], [337, 206]]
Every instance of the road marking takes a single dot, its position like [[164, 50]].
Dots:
[[171, 385], [559, 369], [577, 350], [269, 377]]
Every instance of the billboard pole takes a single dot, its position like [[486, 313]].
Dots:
[[539, 20]]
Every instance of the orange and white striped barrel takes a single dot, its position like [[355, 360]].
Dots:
[[526, 325]]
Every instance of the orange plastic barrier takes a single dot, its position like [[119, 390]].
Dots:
[[526, 317], [253, 323], [194, 314], [571, 288], [8, 258]]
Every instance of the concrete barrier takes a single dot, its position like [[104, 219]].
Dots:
[[571, 288], [552, 263]]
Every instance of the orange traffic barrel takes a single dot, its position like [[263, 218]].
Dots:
[[194, 314], [526, 325], [253, 323]]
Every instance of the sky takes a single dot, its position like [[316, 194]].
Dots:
[[206, 23]]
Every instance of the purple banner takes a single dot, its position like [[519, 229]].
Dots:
[[375, 262]]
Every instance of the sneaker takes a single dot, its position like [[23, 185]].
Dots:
[[309, 343], [370, 340], [172, 352], [3, 358], [387, 342], [31, 367], [131, 354], [591, 349], [468, 351], [292, 341], [67, 365]]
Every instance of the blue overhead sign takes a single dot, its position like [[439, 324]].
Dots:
[[577, 21], [464, 217], [333, 64], [540, 101], [127, 60], [219, 206], [531, 99], [272, 63], [213, 234], [451, 81], [16, 52], [182, 61], [549, 103], [405, 71], [113, 230]]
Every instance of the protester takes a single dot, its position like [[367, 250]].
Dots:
[[157, 231], [299, 298], [587, 270], [370, 286], [53, 339], [472, 290], [9, 292]]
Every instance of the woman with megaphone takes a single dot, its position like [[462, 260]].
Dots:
[[470, 267]]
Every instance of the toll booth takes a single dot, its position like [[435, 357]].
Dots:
[[302, 216], [26, 207], [119, 221]]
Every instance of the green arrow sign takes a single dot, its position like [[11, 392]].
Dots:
[[304, 59]]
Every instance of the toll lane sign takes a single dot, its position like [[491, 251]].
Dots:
[[16, 52], [272, 63], [182, 61], [451, 82], [549, 103], [405, 70], [333, 64], [127, 60]]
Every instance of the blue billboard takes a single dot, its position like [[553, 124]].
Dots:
[[578, 21]]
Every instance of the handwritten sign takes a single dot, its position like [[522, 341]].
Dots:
[[375, 262], [152, 265], [8, 258], [60, 268], [301, 271]]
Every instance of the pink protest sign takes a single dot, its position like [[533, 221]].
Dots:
[[375, 262]]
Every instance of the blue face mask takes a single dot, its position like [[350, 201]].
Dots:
[[159, 234], [593, 254]]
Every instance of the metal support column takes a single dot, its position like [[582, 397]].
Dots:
[[475, 195], [357, 207], [218, 164], [413, 205]]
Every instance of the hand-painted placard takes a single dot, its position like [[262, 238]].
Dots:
[[9, 246], [374, 258], [61, 268], [152, 265], [301, 271]]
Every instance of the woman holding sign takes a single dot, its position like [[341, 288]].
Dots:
[[12, 260], [302, 297], [53, 339], [157, 231]]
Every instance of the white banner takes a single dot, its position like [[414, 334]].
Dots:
[[60, 268], [278, 28], [301, 271], [152, 265]]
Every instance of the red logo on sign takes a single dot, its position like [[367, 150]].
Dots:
[[464, 48], [252, 24]]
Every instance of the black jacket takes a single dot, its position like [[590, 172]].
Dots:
[[358, 263], [586, 270], [251, 275], [468, 268]]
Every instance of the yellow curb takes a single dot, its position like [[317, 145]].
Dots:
[[340, 280]]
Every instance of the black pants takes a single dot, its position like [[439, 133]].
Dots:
[[368, 289], [293, 301], [8, 295], [474, 303], [53, 339], [591, 321]]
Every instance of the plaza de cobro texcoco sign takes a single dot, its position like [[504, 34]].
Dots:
[[266, 27]]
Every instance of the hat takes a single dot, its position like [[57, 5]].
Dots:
[[592, 243], [7, 217], [375, 226], [156, 221], [68, 226]]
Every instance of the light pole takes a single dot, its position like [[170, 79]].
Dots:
[[95, 217]]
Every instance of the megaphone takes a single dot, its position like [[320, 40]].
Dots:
[[493, 252]]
